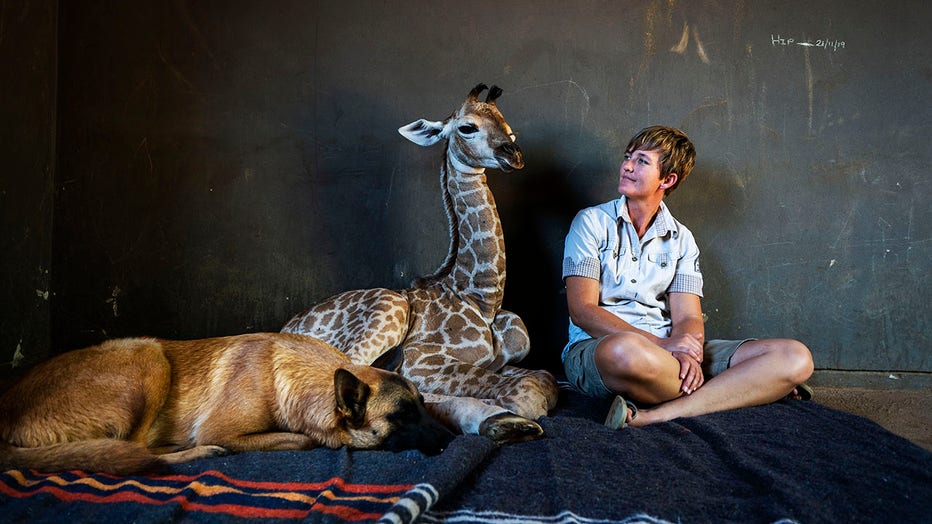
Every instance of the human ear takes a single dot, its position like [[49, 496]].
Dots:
[[669, 181]]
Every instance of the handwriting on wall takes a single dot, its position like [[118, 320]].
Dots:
[[777, 40]]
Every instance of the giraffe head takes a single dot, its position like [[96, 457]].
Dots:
[[477, 135]]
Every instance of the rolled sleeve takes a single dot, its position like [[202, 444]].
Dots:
[[687, 284], [587, 267], [688, 277], [584, 243]]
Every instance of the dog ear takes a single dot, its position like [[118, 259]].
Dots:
[[391, 360], [352, 395]]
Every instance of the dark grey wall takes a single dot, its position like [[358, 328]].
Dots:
[[223, 164], [27, 149]]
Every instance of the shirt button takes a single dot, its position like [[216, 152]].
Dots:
[[663, 264], [634, 281], [635, 259]]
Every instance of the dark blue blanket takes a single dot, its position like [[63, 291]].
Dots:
[[791, 460]]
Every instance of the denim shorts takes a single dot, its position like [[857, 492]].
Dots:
[[579, 364]]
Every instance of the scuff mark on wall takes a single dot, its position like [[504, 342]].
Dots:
[[18, 356], [681, 46], [809, 89], [43, 281], [700, 49], [113, 300]]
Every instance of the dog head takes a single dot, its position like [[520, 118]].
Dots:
[[381, 409]]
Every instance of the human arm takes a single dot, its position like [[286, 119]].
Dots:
[[687, 333], [582, 299], [687, 336]]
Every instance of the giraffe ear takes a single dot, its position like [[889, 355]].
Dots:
[[423, 132]]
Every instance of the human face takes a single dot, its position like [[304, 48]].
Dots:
[[640, 175]]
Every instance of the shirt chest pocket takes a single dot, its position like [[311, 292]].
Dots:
[[661, 267], [609, 250], [611, 257], [661, 260]]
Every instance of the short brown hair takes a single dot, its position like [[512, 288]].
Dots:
[[677, 154]]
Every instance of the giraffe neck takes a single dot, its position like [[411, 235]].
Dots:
[[478, 272]]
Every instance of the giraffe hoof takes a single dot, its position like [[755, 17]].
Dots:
[[508, 428]]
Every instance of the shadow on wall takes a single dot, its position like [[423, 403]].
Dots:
[[710, 206], [537, 208]]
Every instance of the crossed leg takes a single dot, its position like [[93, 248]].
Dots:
[[761, 371]]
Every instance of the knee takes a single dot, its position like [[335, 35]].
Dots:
[[621, 355], [798, 360]]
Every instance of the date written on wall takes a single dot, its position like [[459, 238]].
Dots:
[[777, 40]]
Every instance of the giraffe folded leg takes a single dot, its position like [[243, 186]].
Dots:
[[527, 394], [477, 417]]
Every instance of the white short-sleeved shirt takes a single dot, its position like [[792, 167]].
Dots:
[[635, 275]]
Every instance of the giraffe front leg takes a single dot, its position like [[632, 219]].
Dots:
[[472, 416], [536, 392]]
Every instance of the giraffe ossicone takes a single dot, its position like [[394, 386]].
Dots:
[[457, 343]]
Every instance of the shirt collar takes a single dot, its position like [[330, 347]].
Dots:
[[663, 226]]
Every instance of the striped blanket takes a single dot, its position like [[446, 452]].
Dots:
[[212, 492], [790, 461]]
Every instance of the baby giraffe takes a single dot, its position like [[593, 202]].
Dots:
[[453, 339]]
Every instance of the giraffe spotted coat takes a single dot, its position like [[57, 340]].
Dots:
[[457, 342]]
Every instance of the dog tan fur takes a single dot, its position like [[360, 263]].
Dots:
[[130, 406]]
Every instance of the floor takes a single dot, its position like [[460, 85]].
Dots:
[[906, 412]]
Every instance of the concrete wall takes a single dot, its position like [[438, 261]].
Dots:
[[27, 148], [222, 165]]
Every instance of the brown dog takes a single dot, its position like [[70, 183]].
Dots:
[[132, 405]]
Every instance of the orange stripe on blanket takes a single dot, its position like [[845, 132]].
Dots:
[[119, 482], [318, 497]]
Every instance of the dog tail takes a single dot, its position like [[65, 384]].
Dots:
[[116, 457]]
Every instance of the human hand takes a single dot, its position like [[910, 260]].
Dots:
[[690, 372], [689, 343]]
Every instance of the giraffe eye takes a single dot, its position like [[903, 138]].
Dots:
[[468, 129]]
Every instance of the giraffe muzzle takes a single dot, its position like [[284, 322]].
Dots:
[[509, 157]]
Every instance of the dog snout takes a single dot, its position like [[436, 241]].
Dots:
[[427, 436]]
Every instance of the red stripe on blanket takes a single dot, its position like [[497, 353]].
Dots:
[[287, 486], [347, 501]]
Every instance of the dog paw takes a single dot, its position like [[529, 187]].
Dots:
[[508, 428]]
